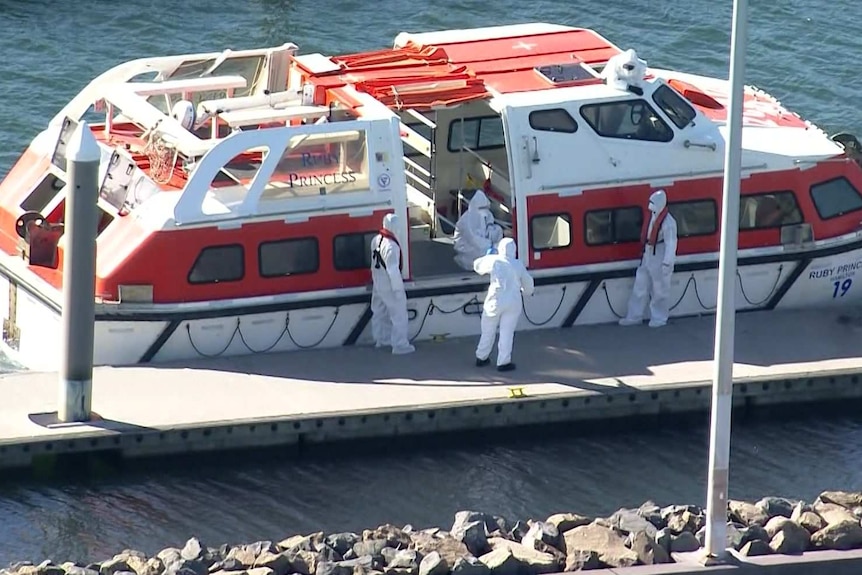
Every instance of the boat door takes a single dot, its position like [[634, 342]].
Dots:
[[541, 141]]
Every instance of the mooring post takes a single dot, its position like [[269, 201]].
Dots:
[[79, 276]]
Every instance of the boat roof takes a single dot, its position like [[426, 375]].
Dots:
[[437, 69]]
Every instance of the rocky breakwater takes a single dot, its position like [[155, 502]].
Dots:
[[484, 544]]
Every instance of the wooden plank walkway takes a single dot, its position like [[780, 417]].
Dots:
[[321, 395]]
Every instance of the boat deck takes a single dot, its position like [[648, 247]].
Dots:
[[591, 372]]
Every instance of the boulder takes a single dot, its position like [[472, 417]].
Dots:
[[790, 538], [649, 552], [302, 561], [841, 536], [775, 524], [566, 521], [755, 548], [810, 521], [501, 562], [847, 499], [630, 521], [306, 542], [372, 547], [433, 564], [582, 561], [112, 566], [608, 545], [775, 506], [244, 556], [333, 568], [259, 571], [518, 531], [278, 562], [193, 550], [833, 513], [529, 560], [392, 535], [76, 570], [447, 546], [259, 547], [470, 528], [746, 513], [470, 565], [342, 542], [684, 542], [753, 532], [652, 513], [404, 558], [685, 520], [663, 537], [541, 532]]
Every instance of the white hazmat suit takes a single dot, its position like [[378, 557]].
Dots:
[[502, 307], [388, 298], [652, 280], [475, 231]]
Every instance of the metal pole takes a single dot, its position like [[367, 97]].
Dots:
[[722, 388], [79, 276]]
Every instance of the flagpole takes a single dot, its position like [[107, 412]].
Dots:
[[722, 387]]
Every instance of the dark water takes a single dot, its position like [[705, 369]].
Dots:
[[802, 51]]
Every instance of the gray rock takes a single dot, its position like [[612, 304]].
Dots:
[[342, 542], [685, 520], [684, 542], [530, 560], [746, 513], [541, 531], [193, 550], [582, 561], [606, 543], [259, 547], [228, 564], [433, 564], [775, 525], [169, 555], [755, 548], [630, 521], [664, 537], [279, 562], [652, 513], [841, 536], [669, 510], [847, 499], [447, 546], [244, 556], [501, 562], [302, 561], [305, 542], [518, 531], [470, 528], [153, 566], [404, 558], [566, 521], [776, 506], [112, 566], [372, 547], [833, 513], [753, 532], [469, 565], [388, 554], [392, 535], [649, 552], [76, 570], [811, 521], [333, 568], [790, 539], [327, 553]]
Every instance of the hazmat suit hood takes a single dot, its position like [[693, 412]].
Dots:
[[390, 222], [479, 201], [506, 248], [657, 201]]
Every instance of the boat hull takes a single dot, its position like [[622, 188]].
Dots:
[[824, 276]]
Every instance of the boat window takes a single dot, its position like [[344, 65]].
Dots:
[[672, 104], [551, 231], [614, 226], [352, 251], [556, 120], [629, 119], [423, 130], [481, 133], [835, 198], [43, 193], [288, 257], [217, 264], [694, 218], [772, 210], [321, 164]]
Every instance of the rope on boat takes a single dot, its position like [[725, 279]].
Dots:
[[553, 315], [432, 306], [692, 280], [237, 330]]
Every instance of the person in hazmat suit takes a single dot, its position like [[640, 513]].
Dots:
[[475, 232], [388, 298], [652, 280], [502, 307]]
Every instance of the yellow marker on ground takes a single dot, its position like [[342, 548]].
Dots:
[[516, 392]]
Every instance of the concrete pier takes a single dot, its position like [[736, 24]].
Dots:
[[584, 373]]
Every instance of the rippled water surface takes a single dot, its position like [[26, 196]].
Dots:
[[802, 51]]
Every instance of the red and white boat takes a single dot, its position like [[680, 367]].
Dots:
[[249, 232]]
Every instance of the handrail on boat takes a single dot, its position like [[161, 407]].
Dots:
[[552, 187]]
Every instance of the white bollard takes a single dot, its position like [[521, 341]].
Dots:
[[79, 277]]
